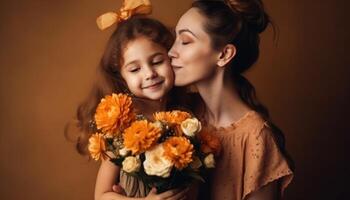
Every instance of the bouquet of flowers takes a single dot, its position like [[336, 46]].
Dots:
[[166, 152]]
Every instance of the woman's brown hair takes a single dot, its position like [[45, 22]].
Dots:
[[240, 22]]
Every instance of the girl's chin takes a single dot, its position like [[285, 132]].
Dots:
[[155, 96], [157, 93]]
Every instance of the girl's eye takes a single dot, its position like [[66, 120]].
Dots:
[[157, 62], [134, 69]]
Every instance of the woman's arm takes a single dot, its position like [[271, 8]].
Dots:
[[267, 192]]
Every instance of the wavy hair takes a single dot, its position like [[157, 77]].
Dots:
[[109, 78], [240, 22]]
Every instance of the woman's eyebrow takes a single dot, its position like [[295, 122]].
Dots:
[[188, 31]]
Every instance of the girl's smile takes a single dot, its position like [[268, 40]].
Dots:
[[154, 86]]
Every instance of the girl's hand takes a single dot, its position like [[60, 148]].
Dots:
[[175, 194], [118, 189]]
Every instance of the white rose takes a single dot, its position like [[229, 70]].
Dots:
[[191, 126], [209, 161], [123, 152], [158, 124], [156, 164], [131, 164], [196, 163]]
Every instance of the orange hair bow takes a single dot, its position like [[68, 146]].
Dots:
[[129, 8]]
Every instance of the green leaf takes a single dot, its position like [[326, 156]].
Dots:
[[118, 161], [196, 176]]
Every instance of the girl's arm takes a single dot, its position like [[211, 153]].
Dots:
[[267, 192], [106, 177]]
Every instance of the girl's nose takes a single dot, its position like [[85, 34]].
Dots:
[[150, 73]]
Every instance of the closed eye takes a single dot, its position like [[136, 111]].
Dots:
[[158, 62], [134, 69], [157, 59]]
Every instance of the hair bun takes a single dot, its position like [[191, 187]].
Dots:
[[252, 11]]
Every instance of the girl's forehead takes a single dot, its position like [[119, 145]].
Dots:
[[143, 45], [141, 48]]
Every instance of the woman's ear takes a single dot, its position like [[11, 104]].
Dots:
[[226, 55]]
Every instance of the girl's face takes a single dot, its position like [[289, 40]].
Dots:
[[192, 57], [146, 69]]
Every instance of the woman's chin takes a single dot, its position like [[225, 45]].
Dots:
[[182, 82]]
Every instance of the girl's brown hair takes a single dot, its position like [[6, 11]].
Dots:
[[239, 22], [109, 79]]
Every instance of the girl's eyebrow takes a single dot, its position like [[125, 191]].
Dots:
[[188, 31], [150, 58], [131, 62], [156, 54]]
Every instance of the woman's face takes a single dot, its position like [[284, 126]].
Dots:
[[192, 57], [146, 69]]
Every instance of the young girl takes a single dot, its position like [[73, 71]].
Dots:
[[216, 42], [135, 62]]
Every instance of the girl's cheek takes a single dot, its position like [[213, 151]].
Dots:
[[132, 82]]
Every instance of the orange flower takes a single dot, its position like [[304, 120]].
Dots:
[[209, 142], [113, 113], [174, 117], [179, 150], [140, 136], [97, 146]]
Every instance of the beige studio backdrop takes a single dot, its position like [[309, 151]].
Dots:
[[49, 52]]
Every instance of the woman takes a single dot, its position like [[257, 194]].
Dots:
[[217, 41]]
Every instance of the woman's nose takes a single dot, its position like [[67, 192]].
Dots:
[[172, 52]]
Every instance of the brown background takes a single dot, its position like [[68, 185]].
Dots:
[[49, 51]]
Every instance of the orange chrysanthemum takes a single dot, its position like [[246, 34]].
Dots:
[[209, 142], [114, 113], [140, 136], [174, 117], [97, 146], [179, 150]]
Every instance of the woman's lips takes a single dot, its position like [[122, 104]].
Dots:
[[176, 67]]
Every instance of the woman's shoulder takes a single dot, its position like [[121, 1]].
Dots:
[[250, 119], [250, 123]]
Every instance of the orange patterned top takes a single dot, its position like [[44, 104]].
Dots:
[[249, 160]]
